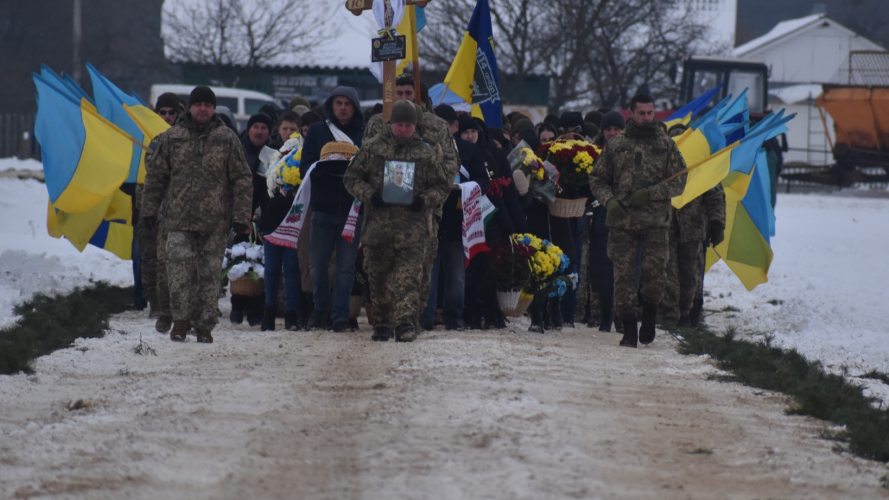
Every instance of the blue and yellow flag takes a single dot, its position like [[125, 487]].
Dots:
[[85, 158], [405, 29], [473, 74], [111, 102], [686, 113]]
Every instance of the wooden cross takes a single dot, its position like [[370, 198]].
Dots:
[[356, 7]]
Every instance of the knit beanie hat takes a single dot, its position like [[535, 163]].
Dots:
[[403, 112], [168, 100], [260, 118], [298, 101], [202, 94], [446, 113], [613, 119], [593, 117], [521, 124], [467, 123], [570, 119]]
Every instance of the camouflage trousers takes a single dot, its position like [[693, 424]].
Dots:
[[395, 277], [154, 267], [194, 263], [684, 278], [622, 245]]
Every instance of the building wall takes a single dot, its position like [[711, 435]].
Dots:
[[811, 57]]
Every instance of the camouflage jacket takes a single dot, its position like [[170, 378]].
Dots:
[[691, 221], [203, 175], [397, 225], [639, 158], [436, 133]]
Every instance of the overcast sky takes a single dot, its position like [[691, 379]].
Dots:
[[345, 43]]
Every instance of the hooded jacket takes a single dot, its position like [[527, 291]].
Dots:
[[320, 134], [328, 193]]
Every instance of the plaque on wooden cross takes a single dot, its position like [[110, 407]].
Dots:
[[388, 49]]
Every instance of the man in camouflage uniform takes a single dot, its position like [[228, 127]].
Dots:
[[703, 218], [437, 133], [628, 179], [396, 237], [152, 239], [200, 168]]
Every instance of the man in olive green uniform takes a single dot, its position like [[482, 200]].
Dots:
[[395, 237], [628, 180], [703, 217], [437, 133], [201, 176]]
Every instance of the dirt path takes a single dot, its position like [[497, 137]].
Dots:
[[507, 415]]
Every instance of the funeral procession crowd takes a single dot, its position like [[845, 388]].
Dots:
[[428, 220]]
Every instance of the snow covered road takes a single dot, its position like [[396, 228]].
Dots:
[[470, 415]]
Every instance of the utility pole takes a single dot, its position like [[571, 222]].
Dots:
[[78, 34]]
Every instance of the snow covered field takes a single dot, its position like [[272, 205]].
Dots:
[[30, 260], [472, 415]]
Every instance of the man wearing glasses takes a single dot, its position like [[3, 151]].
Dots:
[[168, 107]]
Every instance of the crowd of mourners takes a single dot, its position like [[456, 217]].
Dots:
[[383, 227]]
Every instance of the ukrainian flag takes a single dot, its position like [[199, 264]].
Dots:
[[473, 74], [85, 158], [405, 29], [686, 113], [749, 224], [112, 104]]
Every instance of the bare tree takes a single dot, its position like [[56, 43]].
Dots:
[[597, 51], [241, 32]]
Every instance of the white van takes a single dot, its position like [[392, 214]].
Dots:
[[242, 103]]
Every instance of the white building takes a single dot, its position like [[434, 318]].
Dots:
[[803, 54]]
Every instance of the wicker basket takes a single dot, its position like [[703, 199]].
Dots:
[[247, 286], [355, 303], [508, 299], [567, 208], [520, 308]]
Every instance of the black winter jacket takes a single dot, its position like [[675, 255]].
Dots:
[[451, 225]]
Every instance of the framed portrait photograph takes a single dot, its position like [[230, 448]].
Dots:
[[398, 182]]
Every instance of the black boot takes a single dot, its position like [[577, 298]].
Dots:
[[236, 316], [319, 320], [292, 321], [268, 319], [649, 316], [535, 309], [606, 310], [381, 334], [631, 334], [554, 307], [684, 322]]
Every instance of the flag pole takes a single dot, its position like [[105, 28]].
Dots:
[[412, 10], [445, 91], [116, 128]]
